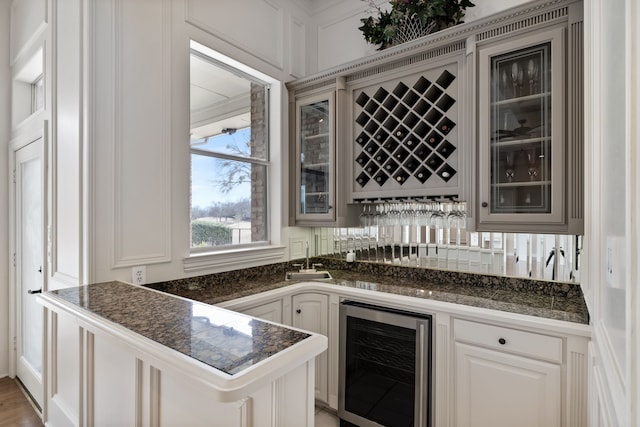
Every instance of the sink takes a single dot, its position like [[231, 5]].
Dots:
[[307, 275]]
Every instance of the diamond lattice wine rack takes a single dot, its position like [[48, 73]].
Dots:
[[406, 136]]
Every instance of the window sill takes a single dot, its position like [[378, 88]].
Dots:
[[233, 258]]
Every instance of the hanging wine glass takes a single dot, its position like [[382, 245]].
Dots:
[[457, 215], [457, 219], [365, 215]]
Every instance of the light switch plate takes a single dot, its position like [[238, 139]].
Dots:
[[614, 262]]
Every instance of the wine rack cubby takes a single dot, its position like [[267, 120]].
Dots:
[[406, 136]]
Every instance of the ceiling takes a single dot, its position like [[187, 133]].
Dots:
[[219, 99]]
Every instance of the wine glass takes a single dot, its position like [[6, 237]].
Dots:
[[521, 79], [365, 216], [515, 72], [532, 74], [510, 160], [531, 161], [504, 84], [457, 215], [438, 221], [457, 219]]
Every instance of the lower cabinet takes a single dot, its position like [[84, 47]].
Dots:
[[311, 312], [506, 377], [99, 375], [488, 371], [271, 311]]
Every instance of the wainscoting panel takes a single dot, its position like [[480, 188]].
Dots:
[[260, 32]]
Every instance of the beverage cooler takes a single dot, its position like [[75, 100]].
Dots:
[[385, 367]]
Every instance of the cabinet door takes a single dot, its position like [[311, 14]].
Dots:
[[310, 312], [315, 174], [495, 389], [271, 311], [522, 140]]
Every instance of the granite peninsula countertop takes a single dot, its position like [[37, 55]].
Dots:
[[225, 340], [551, 300]]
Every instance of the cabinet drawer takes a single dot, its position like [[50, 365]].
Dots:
[[510, 340]]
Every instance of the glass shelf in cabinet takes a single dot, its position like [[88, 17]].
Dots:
[[514, 142], [315, 166], [315, 136], [518, 99], [519, 184]]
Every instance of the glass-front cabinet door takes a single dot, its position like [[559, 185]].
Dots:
[[521, 131], [315, 175]]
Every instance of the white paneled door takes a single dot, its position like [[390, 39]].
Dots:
[[29, 203]]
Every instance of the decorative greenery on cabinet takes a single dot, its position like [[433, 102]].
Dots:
[[410, 19]]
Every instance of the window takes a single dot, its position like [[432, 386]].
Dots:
[[229, 155], [37, 94]]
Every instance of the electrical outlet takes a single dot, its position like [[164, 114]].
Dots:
[[139, 275]]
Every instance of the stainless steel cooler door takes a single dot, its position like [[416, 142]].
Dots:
[[385, 361]]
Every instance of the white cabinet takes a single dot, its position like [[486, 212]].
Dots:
[[94, 366], [499, 389], [311, 313], [271, 311], [506, 377], [490, 367]]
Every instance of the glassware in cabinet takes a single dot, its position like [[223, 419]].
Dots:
[[314, 154], [522, 143]]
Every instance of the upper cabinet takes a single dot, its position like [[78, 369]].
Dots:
[[316, 166], [405, 132], [529, 133], [315, 155], [523, 145], [489, 112]]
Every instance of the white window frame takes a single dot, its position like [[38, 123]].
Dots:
[[228, 257]]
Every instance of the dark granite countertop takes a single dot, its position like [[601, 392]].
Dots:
[[551, 300], [225, 340]]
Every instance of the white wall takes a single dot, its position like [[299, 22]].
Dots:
[[5, 114], [338, 40], [137, 141], [65, 163], [613, 190]]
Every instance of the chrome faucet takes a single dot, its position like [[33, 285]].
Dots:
[[308, 267]]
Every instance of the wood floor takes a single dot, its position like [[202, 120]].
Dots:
[[15, 409]]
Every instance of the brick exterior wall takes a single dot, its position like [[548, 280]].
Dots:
[[259, 149]]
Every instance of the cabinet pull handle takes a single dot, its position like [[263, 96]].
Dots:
[[298, 311], [485, 204], [502, 341]]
